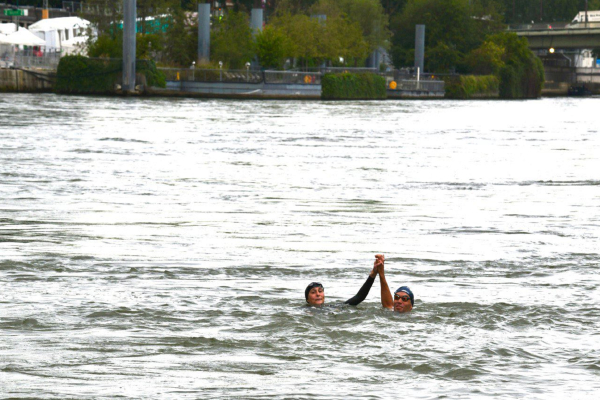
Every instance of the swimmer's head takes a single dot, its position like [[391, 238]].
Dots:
[[404, 299], [315, 294]]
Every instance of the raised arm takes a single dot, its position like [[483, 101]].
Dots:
[[364, 290], [386, 296]]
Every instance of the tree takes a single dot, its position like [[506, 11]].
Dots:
[[272, 46], [368, 14], [351, 44], [232, 41], [521, 72], [451, 25], [180, 42], [487, 59]]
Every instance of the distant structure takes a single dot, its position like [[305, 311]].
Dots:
[[420, 47]]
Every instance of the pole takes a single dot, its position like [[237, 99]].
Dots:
[[203, 32], [129, 31], [420, 47], [45, 11], [586, 13]]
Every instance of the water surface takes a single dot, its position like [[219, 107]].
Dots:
[[159, 248]]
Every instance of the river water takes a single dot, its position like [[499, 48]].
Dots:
[[159, 248]]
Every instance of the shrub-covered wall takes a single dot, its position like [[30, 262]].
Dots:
[[471, 86], [78, 74], [349, 86]]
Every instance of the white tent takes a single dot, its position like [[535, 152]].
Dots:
[[7, 29], [22, 38], [55, 31], [55, 24]]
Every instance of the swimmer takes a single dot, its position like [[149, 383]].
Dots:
[[403, 300], [315, 292]]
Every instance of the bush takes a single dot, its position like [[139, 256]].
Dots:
[[78, 74], [348, 86], [154, 77], [469, 86]]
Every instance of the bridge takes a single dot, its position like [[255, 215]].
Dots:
[[568, 39], [560, 35]]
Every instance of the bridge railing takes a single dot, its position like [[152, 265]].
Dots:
[[539, 26]]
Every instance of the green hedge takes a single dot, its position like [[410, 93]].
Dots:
[[348, 86], [78, 74], [469, 86]]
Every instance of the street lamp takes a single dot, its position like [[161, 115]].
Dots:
[[220, 71], [193, 68], [247, 69]]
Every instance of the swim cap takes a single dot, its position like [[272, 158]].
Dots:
[[406, 290], [309, 287]]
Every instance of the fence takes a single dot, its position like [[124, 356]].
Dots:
[[293, 77], [414, 85], [241, 76], [31, 59], [10, 57], [212, 75]]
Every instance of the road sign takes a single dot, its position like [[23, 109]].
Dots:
[[16, 13]]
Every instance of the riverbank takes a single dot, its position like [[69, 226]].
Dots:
[[40, 81]]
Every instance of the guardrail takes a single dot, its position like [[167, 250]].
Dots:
[[293, 77], [45, 61], [29, 59], [212, 75], [426, 86], [241, 76], [543, 26]]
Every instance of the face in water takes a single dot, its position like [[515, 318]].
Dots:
[[316, 296], [402, 302]]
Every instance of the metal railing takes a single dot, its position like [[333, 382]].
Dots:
[[542, 26], [212, 75], [293, 77], [29, 59], [242, 76], [426, 86]]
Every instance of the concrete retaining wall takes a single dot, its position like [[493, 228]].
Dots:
[[16, 80]]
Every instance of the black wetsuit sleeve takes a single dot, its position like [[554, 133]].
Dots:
[[362, 293]]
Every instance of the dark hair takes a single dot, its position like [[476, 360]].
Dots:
[[309, 287]]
